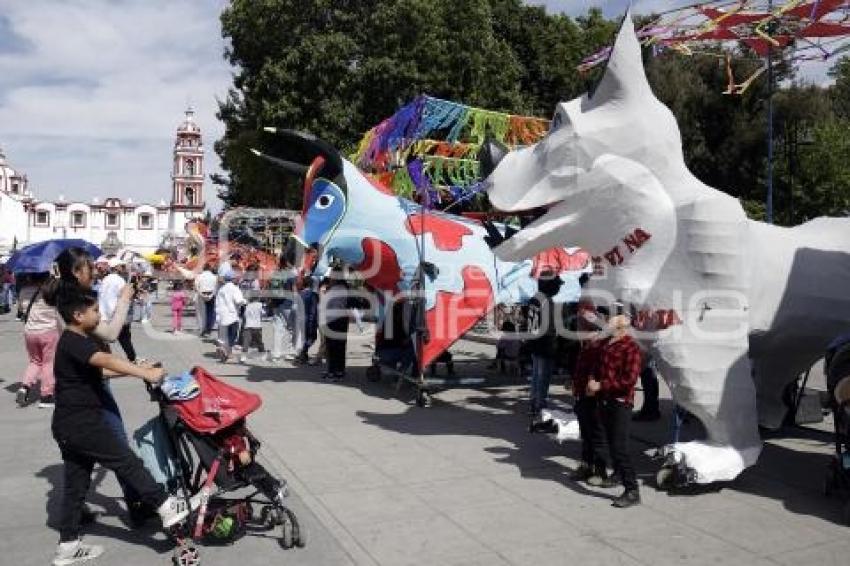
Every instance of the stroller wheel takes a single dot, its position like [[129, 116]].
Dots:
[[291, 533], [270, 517], [186, 555], [665, 478], [373, 373], [287, 537]]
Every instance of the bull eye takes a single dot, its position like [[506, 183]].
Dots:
[[324, 202]]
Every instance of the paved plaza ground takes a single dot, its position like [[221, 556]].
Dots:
[[379, 481]]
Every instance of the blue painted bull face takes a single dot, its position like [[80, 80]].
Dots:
[[325, 206]]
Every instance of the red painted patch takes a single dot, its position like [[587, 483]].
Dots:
[[454, 314], [559, 260], [379, 185], [448, 234], [648, 320], [380, 268], [315, 167]]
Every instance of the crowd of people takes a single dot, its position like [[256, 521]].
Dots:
[[72, 316]]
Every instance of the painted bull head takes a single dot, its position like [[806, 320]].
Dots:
[[325, 190]]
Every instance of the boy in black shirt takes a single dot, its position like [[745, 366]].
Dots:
[[84, 438]]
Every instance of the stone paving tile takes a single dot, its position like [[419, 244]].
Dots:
[[486, 559], [508, 525], [432, 539], [371, 506], [835, 553], [676, 544], [359, 477], [458, 495], [757, 530], [569, 549], [406, 469]]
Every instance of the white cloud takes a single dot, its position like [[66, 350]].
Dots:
[[91, 92]]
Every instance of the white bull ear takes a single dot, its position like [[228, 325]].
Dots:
[[624, 76]]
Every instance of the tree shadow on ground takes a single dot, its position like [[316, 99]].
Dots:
[[789, 475], [143, 536]]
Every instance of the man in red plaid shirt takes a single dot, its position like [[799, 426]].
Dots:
[[619, 368]]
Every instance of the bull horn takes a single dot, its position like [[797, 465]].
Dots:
[[491, 153], [290, 167], [304, 143]]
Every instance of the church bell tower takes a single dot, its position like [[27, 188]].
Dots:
[[188, 169]]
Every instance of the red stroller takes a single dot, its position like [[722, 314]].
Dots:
[[216, 457]]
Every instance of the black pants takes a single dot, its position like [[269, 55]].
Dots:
[[209, 316], [617, 419], [252, 338], [649, 384], [336, 341], [84, 440], [126, 341], [594, 444]]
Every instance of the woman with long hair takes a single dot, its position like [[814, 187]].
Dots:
[[76, 271]]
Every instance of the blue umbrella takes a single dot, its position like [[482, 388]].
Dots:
[[39, 258]]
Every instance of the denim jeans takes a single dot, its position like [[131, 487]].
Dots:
[[114, 422], [541, 376], [283, 341]]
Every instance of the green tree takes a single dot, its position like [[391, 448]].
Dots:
[[840, 92], [338, 68], [824, 172]]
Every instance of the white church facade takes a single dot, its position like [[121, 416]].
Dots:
[[109, 222]]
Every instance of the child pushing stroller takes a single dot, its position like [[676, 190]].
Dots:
[[83, 435], [212, 455]]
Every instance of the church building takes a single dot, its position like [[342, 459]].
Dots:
[[109, 222]]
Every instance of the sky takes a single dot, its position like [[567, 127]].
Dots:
[[91, 91]]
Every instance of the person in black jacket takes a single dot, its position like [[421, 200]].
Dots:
[[542, 314], [335, 325]]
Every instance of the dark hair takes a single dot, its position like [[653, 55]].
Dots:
[[207, 267], [67, 262], [70, 301], [603, 311]]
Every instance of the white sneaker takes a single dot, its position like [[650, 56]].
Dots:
[[243, 359], [74, 552], [289, 357], [173, 511]]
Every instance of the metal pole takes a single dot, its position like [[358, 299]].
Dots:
[[769, 204]]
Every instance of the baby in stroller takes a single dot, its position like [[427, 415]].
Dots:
[[209, 452]]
